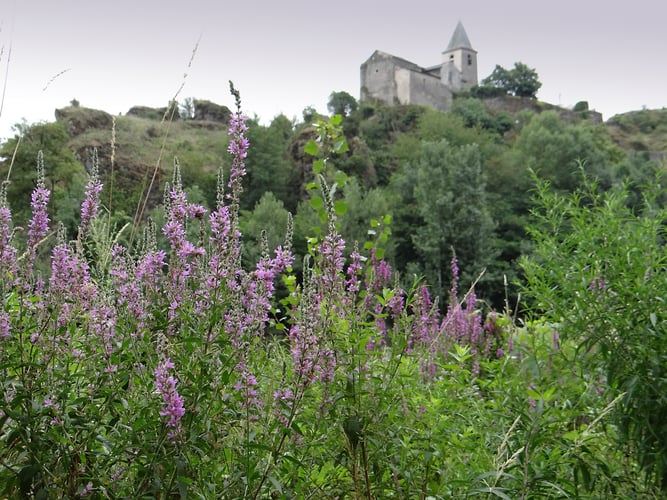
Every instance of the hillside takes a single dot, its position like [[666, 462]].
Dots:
[[144, 139], [641, 131]]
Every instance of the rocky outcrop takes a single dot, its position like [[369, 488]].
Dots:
[[77, 119], [152, 113], [210, 111], [513, 105]]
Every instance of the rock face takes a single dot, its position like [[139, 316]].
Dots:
[[77, 119], [153, 113], [211, 112]]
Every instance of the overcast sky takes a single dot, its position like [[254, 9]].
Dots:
[[286, 55]]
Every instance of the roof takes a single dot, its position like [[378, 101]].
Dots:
[[459, 39], [398, 61]]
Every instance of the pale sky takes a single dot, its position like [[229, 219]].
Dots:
[[286, 55]]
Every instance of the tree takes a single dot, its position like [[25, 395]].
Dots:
[[341, 103], [558, 151], [269, 216], [450, 198], [187, 110], [521, 81], [65, 177], [268, 165]]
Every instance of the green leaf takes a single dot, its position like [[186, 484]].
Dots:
[[341, 146], [341, 178], [318, 165], [336, 120], [316, 202], [340, 207], [311, 148]]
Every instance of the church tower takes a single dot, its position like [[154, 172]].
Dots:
[[459, 62]]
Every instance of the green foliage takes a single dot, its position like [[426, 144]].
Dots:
[[449, 197], [268, 220], [65, 177], [341, 103], [560, 152], [598, 273], [268, 164], [366, 215], [475, 114], [520, 81], [580, 106]]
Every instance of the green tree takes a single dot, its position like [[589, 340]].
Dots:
[[268, 164], [520, 81], [65, 177], [450, 198], [341, 103], [559, 151], [269, 217], [364, 206]]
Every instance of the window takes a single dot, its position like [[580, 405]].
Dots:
[[469, 60]]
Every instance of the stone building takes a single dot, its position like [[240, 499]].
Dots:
[[393, 80]]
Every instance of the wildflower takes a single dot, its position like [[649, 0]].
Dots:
[[86, 490], [49, 403], [165, 385], [7, 250], [331, 251], [39, 223], [238, 148], [352, 283], [91, 200], [247, 387], [597, 284]]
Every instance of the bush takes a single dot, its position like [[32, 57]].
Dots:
[[598, 272]]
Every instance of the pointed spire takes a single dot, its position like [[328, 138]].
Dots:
[[459, 39]]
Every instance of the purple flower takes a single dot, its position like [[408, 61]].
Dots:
[[7, 250], [165, 385], [87, 490], [238, 148], [331, 251], [247, 387], [91, 201], [39, 223], [597, 284]]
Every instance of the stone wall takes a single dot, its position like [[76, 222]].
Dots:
[[394, 81]]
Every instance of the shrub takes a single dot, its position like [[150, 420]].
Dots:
[[598, 272]]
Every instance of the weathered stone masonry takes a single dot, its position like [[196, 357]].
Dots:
[[393, 80]]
